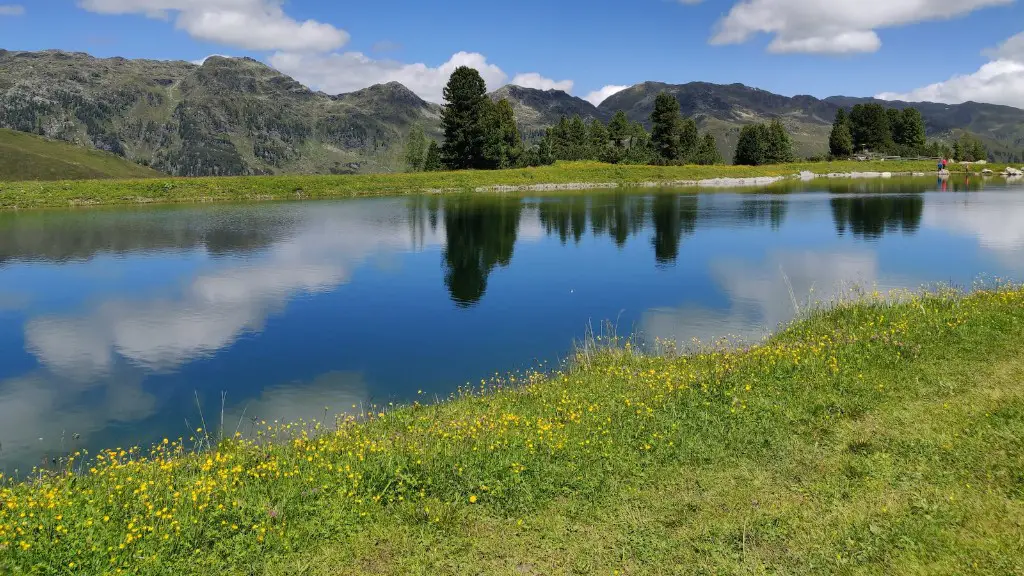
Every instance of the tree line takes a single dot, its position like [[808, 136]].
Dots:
[[481, 134], [876, 128]]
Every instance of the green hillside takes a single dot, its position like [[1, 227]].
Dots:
[[29, 157]]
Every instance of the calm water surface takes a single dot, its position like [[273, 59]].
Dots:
[[112, 320]]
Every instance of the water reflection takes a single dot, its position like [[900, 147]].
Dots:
[[869, 217], [672, 216], [565, 217], [67, 236], [479, 236]]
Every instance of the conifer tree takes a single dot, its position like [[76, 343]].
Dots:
[[463, 119]]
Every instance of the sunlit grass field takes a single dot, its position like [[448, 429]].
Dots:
[[25, 195], [871, 437], [30, 157]]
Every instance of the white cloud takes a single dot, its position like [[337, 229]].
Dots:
[[11, 10], [534, 80], [598, 96], [344, 72], [832, 26], [249, 24], [1011, 49], [1000, 81], [842, 43]]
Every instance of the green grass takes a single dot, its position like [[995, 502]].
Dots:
[[29, 157], [23, 195], [871, 438]]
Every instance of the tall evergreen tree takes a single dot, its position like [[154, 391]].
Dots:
[[415, 148], [559, 139], [545, 157], [895, 120], [707, 152], [503, 147], [750, 149], [869, 125], [909, 131], [578, 140], [463, 119], [432, 161], [640, 150], [598, 135], [689, 141], [666, 125], [840, 141], [778, 146], [618, 129]]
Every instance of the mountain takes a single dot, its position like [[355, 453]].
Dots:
[[225, 116], [239, 116], [724, 109], [537, 109], [30, 157]]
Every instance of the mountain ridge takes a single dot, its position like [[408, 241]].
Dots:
[[240, 116]]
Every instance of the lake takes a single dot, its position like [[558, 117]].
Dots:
[[114, 322]]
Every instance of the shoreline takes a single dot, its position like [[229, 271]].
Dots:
[[723, 182], [15, 196], [816, 430]]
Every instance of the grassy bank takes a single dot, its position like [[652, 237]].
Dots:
[[30, 157], [871, 438], [23, 195]]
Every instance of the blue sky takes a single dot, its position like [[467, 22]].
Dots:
[[926, 49]]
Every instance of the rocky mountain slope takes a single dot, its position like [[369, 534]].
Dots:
[[239, 116], [226, 116], [724, 109], [537, 109]]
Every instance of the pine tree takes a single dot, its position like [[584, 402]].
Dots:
[[910, 132], [545, 157], [666, 127], [869, 126], [707, 151], [577, 139], [503, 147], [559, 139], [415, 148], [750, 149], [840, 141], [463, 119], [689, 141], [432, 161], [778, 146], [640, 150], [618, 129], [598, 135]]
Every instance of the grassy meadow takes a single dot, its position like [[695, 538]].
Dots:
[[41, 194], [30, 157], [878, 436]]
